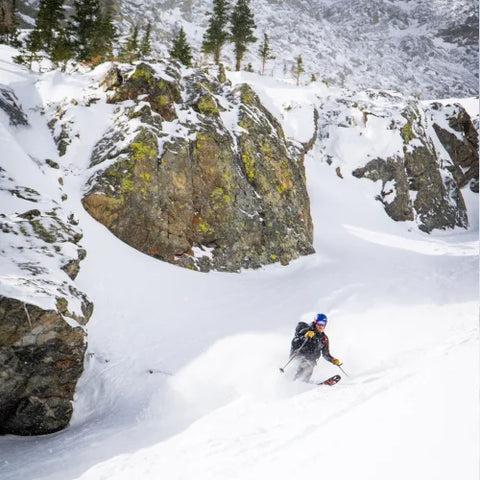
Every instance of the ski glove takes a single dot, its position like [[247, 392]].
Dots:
[[336, 362], [310, 334]]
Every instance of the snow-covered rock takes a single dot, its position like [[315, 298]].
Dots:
[[42, 341], [199, 174]]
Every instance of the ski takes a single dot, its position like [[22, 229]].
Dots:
[[329, 381]]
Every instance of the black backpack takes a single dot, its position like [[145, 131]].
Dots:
[[301, 326]]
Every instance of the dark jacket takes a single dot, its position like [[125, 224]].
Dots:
[[314, 347]]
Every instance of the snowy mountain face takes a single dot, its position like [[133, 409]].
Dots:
[[411, 46]]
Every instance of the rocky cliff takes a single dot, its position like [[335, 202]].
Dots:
[[198, 173], [42, 341], [421, 154]]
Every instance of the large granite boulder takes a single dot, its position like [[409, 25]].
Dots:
[[198, 173]]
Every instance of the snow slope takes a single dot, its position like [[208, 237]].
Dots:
[[403, 310]]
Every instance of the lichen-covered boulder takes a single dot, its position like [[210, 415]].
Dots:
[[160, 92], [212, 185]]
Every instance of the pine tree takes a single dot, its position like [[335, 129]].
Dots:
[[61, 49], [12, 37], [216, 34], [181, 50], [265, 52], [8, 22], [298, 68], [130, 50], [132, 42], [47, 26], [94, 31], [107, 35], [87, 13], [242, 27], [29, 52], [146, 47]]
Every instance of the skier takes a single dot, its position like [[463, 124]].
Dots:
[[309, 343]]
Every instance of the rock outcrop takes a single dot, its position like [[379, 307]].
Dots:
[[460, 139], [42, 358], [421, 154], [9, 104], [42, 313], [42, 343], [420, 186], [198, 173]]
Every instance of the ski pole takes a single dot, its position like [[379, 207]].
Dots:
[[163, 372], [282, 369], [340, 367]]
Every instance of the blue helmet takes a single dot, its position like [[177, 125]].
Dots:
[[321, 319]]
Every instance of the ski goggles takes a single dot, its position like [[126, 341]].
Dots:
[[321, 323]]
